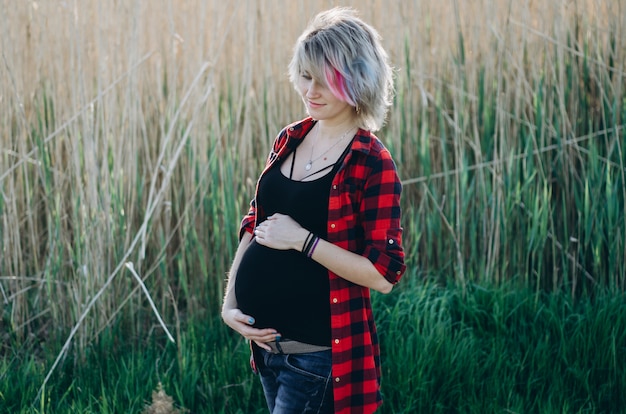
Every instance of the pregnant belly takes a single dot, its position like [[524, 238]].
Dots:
[[281, 288]]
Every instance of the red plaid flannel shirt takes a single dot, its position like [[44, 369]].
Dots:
[[363, 217]]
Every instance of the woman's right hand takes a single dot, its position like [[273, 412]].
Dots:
[[242, 324]]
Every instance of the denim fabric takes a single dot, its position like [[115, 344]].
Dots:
[[296, 383]]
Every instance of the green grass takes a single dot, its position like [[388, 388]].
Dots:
[[207, 372], [493, 350], [485, 350]]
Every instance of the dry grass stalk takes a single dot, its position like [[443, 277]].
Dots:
[[162, 403]]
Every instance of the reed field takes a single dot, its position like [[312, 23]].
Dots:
[[131, 137]]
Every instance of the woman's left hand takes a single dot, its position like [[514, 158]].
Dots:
[[280, 232]]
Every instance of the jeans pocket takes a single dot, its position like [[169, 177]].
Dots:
[[316, 366]]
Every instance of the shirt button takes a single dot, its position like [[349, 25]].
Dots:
[[336, 341], [335, 187], [335, 300], [332, 226], [398, 273], [390, 241], [337, 379], [291, 129]]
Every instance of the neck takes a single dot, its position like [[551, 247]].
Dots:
[[328, 130]]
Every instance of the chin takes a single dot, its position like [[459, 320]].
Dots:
[[312, 114]]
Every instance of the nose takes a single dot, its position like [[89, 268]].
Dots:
[[313, 89]]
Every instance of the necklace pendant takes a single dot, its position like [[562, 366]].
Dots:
[[308, 166]]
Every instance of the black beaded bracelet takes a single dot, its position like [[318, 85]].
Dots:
[[309, 244], [309, 254], [306, 241]]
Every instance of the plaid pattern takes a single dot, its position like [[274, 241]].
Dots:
[[363, 217]]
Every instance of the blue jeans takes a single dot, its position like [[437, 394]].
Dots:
[[296, 383]]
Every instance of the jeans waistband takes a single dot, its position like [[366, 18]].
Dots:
[[288, 346]]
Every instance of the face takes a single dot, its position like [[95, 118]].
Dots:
[[320, 102]]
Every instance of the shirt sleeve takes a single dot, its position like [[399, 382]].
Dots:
[[247, 223], [381, 218], [249, 220]]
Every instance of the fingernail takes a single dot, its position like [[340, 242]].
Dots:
[[250, 320], [277, 338]]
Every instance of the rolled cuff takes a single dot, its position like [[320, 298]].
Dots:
[[386, 254], [247, 225]]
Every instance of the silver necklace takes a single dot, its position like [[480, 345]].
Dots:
[[309, 164]]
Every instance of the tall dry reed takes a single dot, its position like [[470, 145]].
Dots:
[[133, 132]]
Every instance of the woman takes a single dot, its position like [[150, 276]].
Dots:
[[322, 230]]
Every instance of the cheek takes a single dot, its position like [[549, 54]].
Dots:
[[302, 86]]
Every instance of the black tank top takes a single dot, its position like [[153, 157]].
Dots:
[[283, 289]]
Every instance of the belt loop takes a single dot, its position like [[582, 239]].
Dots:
[[280, 349]]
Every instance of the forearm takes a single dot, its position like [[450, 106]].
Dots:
[[282, 232], [230, 301], [350, 266]]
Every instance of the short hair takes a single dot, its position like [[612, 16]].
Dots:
[[344, 53]]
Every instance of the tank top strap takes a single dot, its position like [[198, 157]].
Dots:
[[334, 166]]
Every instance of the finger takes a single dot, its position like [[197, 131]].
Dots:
[[247, 319], [264, 336], [255, 333], [263, 345], [272, 337], [239, 316], [262, 239], [265, 339]]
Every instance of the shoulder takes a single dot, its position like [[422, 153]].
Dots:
[[372, 150], [293, 132], [301, 126]]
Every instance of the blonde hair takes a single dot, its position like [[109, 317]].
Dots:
[[344, 53]]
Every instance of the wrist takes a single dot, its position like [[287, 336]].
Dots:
[[310, 244], [305, 241], [228, 304], [302, 240]]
